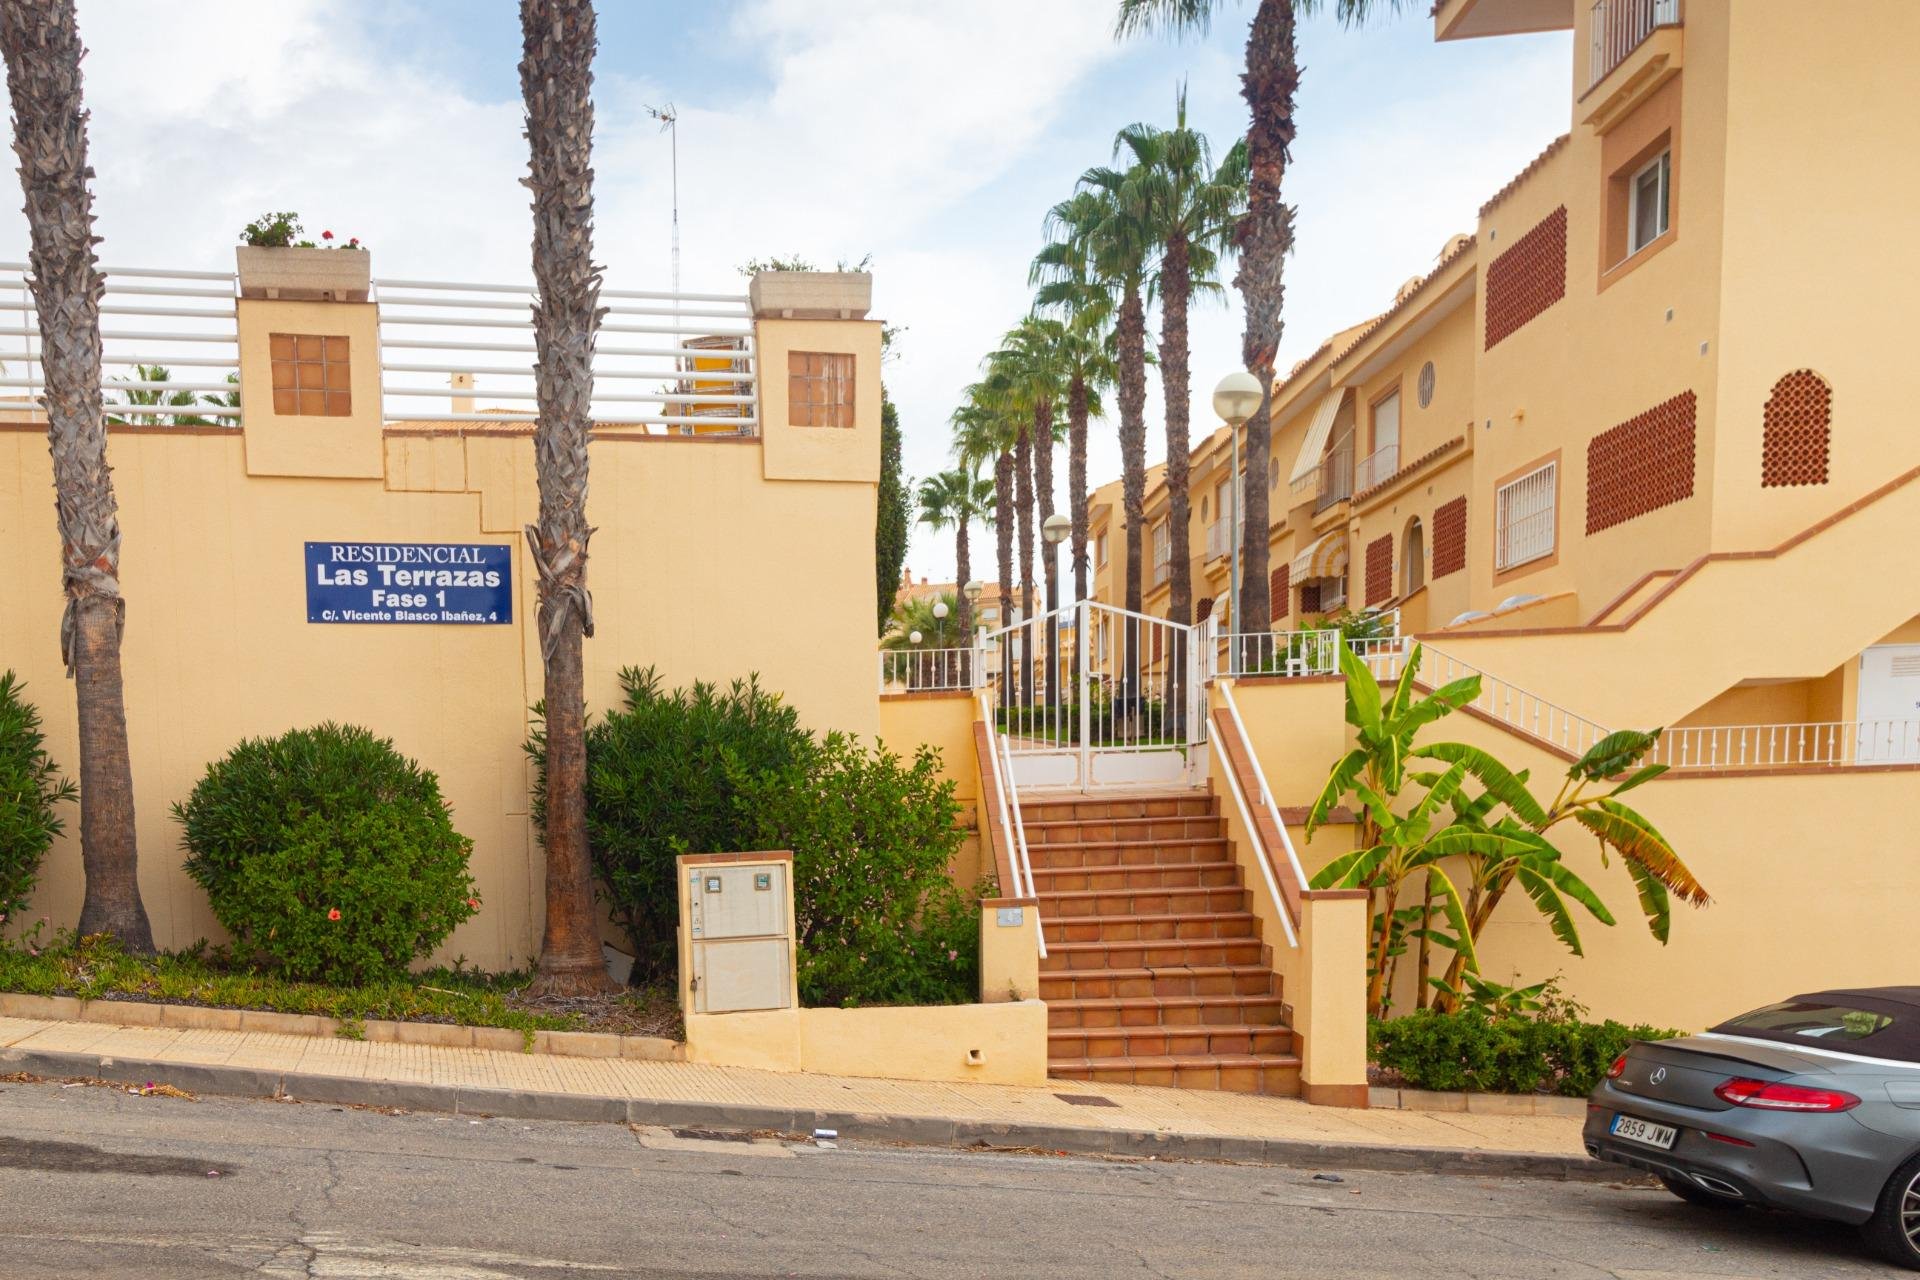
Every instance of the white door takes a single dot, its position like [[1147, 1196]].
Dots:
[[1889, 712]]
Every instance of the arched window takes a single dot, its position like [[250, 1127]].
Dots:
[[1413, 558], [1796, 432]]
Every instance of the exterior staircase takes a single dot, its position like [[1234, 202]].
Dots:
[[1155, 971]]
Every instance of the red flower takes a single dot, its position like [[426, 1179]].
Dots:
[[333, 913], [474, 903], [326, 235]]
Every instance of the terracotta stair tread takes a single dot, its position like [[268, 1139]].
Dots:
[[1047, 920], [1051, 824], [1152, 971], [1154, 944], [1054, 1065], [1160, 1002], [1156, 843], [1178, 890], [1186, 1029]]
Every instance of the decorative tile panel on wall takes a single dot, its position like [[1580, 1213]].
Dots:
[[312, 375], [1528, 278], [1379, 569], [1450, 537], [1798, 425], [1280, 589], [1641, 465], [819, 389]]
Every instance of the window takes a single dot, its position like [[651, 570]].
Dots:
[[1162, 551], [1647, 221], [819, 389], [1860, 1024], [1100, 550], [1386, 422], [1413, 558], [1525, 515], [312, 375]]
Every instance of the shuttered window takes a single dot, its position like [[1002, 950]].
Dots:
[[1526, 518]]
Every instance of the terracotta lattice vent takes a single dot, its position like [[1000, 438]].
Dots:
[[1379, 569], [1280, 589], [1641, 465], [1528, 278], [1798, 425]]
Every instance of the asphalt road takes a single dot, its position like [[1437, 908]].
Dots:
[[96, 1183]]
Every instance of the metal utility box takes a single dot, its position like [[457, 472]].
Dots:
[[736, 922]]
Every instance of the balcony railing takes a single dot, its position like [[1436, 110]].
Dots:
[[1789, 746], [1336, 475], [929, 670], [1619, 26], [1219, 539], [1376, 467]]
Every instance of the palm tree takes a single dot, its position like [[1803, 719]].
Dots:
[[1264, 235], [1031, 363], [1191, 209], [1086, 351], [556, 81], [1098, 262], [981, 436], [954, 499], [40, 40]]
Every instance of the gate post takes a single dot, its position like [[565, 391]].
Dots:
[[1081, 617]]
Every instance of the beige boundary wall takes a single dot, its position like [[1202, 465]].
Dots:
[[1004, 1043], [1809, 871], [695, 537]]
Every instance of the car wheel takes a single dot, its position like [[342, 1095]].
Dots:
[[1693, 1193], [1895, 1227]]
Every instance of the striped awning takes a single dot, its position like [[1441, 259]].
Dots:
[[1326, 558], [1318, 430]]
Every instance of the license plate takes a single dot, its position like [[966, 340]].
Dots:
[[1645, 1132]]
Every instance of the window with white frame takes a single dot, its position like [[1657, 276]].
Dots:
[[1525, 518], [1649, 190], [1162, 550]]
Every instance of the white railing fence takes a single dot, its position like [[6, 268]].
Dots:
[[929, 670], [680, 362], [1265, 801], [1618, 27], [162, 321], [1376, 467], [1776, 746], [1013, 828]]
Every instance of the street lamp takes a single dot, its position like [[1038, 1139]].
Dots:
[[1054, 530], [1236, 398]]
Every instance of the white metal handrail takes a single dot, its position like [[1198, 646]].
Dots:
[[1012, 826], [1265, 799], [183, 342], [1776, 746], [928, 670], [1376, 466], [433, 327]]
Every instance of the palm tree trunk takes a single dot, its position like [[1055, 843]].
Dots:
[[1023, 503], [1077, 481], [1131, 332], [963, 574], [1175, 286], [1264, 237], [556, 81], [1003, 544], [41, 42], [1049, 554], [1426, 920]]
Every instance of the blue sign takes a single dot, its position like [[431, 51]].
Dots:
[[445, 582]]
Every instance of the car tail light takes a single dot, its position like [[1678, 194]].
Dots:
[[1619, 1065], [1783, 1097]]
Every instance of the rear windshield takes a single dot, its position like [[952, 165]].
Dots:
[[1836, 1025]]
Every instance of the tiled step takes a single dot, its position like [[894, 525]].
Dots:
[[1107, 875], [1172, 981], [1197, 1040], [1264, 1009], [1178, 953], [1150, 928], [1134, 902], [1130, 830], [1083, 808], [1109, 852], [1277, 1074]]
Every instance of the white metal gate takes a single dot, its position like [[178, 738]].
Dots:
[[1091, 695]]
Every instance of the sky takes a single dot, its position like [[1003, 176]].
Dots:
[[930, 135]]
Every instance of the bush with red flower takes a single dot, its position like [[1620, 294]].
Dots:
[[327, 854], [283, 231]]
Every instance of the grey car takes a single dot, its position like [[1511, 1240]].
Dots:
[[1811, 1105]]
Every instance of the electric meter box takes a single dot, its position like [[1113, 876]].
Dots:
[[736, 932]]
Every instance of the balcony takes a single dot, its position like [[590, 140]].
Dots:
[[1219, 539], [1336, 475], [1376, 467], [1618, 27]]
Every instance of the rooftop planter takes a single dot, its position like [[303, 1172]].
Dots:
[[811, 295], [304, 275]]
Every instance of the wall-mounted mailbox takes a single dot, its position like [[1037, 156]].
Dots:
[[736, 932]]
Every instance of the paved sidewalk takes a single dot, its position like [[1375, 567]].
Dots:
[[1140, 1120]]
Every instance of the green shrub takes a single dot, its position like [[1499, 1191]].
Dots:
[[327, 854], [878, 918], [30, 787], [1501, 1054], [705, 770]]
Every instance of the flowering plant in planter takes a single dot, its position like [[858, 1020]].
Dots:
[[281, 231]]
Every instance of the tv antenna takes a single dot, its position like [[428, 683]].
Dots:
[[669, 120]]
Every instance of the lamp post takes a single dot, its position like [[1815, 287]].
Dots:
[[1054, 530], [1235, 399]]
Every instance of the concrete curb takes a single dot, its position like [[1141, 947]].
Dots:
[[911, 1130], [1485, 1104]]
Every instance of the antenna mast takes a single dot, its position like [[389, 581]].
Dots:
[[669, 124]]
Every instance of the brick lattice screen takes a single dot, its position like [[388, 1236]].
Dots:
[[1641, 465], [1528, 278], [1379, 569], [1798, 424], [1310, 597], [1450, 537], [1279, 590], [1204, 609]]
